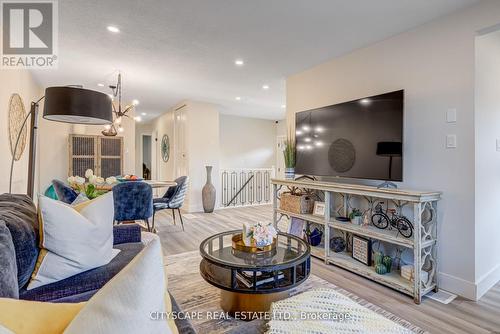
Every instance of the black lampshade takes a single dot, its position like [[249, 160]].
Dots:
[[77, 105], [389, 149]]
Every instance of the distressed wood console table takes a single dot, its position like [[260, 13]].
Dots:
[[419, 206]]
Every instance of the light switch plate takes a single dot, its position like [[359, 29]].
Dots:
[[451, 141], [498, 145], [451, 116]]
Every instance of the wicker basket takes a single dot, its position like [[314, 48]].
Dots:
[[297, 203]]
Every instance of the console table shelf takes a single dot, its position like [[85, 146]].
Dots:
[[423, 243]]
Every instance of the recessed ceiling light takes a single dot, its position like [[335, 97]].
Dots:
[[239, 62], [265, 87], [298, 132], [283, 106], [237, 98], [138, 118], [365, 101], [100, 84], [113, 29], [143, 113], [318, 143], [135, 102], [307, 139]]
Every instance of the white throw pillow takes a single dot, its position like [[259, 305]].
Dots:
[[126, 302], [73, 239]]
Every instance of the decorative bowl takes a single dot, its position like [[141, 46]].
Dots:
[[239, 245]]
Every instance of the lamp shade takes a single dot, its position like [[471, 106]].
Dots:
[[77, 105], [389, 149]]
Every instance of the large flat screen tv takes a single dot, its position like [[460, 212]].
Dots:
[[357, 139]]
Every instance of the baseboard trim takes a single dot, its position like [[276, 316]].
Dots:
[[487, 281], [457, 286]]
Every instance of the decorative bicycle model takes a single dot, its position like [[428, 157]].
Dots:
[[381, 219]]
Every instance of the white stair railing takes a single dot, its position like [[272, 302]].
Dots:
[[246, 186]]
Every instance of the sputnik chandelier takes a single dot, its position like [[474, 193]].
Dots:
[[119, 112]]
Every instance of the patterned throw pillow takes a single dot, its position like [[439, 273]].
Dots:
[[73, 239]]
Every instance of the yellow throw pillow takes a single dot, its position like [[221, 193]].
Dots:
[[28, 317]]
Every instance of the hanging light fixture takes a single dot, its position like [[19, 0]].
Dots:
[[118, 111]]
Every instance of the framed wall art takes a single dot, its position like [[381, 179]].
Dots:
[[362, 250]]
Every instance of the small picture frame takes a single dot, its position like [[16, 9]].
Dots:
[[362, 250], [297, 227], [319, 208]]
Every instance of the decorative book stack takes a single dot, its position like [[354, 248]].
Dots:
[[246, 277]]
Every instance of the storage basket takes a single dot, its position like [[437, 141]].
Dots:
[[297, 203]]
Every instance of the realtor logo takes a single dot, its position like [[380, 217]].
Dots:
[[29, 34]]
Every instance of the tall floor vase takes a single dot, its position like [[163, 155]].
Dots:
[[208, 192]]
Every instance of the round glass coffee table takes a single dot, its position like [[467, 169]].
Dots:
[[250, 282]]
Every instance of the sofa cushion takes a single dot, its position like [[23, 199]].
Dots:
[[9, 286], [73, 239], [20, 216], [21, 316], [127, 303], [72, 288]]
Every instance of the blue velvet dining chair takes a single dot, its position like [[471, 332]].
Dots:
[[172, 199], [133, 200], [64, 192]]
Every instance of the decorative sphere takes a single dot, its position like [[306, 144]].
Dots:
[[337, 244]]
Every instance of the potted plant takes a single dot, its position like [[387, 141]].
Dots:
[[356, 216], [289, 155]]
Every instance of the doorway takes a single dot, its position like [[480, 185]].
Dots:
[[146, 156]]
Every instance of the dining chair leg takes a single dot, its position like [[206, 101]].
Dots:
[[182, 223], [147, 223], [153, 224], [173, 215]]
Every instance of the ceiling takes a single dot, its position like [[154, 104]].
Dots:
[[169, 51]]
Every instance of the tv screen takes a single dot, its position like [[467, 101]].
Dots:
[[357, 139]]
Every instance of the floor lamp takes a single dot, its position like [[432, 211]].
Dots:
[[63, 104]]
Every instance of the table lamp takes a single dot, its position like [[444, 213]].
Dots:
[[389, 149]]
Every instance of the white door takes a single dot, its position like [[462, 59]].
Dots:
[[280, 160], [180, 151]]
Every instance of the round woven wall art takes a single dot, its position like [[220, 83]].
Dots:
[[17, 113], [341, 155]]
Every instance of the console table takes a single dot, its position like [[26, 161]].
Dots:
[[422, 209]]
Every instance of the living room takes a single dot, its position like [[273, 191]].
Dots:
[[249, 167]]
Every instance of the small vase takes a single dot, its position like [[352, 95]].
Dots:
[[208, 192], [290, 173], [378, 258]]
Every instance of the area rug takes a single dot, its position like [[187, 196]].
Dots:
[[200, 301]]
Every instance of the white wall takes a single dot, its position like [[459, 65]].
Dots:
[[246, 142], [435, 65], [487, 125], [202, 134]]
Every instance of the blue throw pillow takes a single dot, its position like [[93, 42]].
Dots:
[[9, 288], [19, 214], [64, 192]]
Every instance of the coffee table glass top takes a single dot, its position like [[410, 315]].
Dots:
[[289, 250]]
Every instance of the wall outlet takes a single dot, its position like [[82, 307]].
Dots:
[[451, 141], [451, 116]]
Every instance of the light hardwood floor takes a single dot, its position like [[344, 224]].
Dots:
[[461, 316]]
